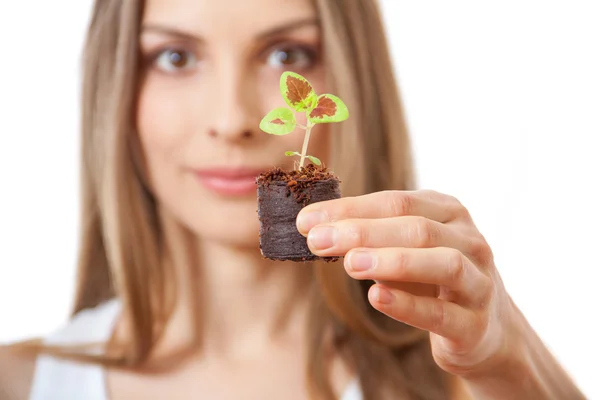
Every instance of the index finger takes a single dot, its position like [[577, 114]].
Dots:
[[385, 204]]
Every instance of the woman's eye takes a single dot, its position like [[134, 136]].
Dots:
[[175, 60], [291, 57]]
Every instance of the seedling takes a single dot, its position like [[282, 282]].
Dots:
[[300, 96], [282, 194]]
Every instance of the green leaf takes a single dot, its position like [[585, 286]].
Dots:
[[314, 160], [329, 108], [279, 121], [297, 92]]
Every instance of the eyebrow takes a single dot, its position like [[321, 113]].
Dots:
[[175, 32]]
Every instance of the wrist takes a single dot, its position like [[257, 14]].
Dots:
[[512, 373], [513, 378]]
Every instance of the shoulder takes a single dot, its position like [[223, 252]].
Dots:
[[26, 369], [17, 366], [91, 325]]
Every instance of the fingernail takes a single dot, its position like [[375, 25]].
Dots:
[[322, 237], [306, 221], [381, 296], [361, 261]]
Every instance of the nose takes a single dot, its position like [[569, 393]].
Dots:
[[234, 116]]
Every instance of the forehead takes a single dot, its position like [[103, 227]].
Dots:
[[226, 17]]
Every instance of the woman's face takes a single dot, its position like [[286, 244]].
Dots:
[[212, 70]]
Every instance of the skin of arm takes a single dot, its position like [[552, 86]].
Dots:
[[532, 373], [16, 372]]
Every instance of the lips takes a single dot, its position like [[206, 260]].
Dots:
[[229, 181]]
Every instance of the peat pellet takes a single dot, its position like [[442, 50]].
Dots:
[[281, 196]]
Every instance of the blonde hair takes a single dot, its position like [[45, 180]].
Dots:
[[120, 250]]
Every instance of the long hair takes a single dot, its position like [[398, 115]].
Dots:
[[120, 240]]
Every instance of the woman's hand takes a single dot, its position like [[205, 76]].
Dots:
[[432, 268]]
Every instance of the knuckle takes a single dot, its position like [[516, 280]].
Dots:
[[432, 194], [461, 211], [425, 234], [409, 307], [444, 360], [439, 315], [480, 324], [454, 201], [481, 251], [401, 264], [357, 235], [400, 203], [447, 355], [455, 266], [486, 292], [457, 207], [344, 209]]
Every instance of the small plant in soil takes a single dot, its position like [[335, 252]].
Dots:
[[282, 194]]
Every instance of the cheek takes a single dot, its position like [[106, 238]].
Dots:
[[162, 134], [166, 128], [170, 132], [159, 123]]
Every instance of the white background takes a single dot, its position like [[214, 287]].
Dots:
[[503, 100]]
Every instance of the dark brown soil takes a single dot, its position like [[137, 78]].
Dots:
[[299, 182], [281, 195]]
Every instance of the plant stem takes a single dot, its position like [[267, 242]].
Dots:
[[305, 144], [300, 126]]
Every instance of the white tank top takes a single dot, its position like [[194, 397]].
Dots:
[[56, 379]]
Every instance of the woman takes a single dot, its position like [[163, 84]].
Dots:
[[171, 283]]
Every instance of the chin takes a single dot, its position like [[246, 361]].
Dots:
[[224, 220], [228, 224], [240, 235]]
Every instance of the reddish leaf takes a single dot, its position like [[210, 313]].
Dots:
[[329, 108], [298, 90], [325, 107]]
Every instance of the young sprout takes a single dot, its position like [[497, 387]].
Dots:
[[301, 97]]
